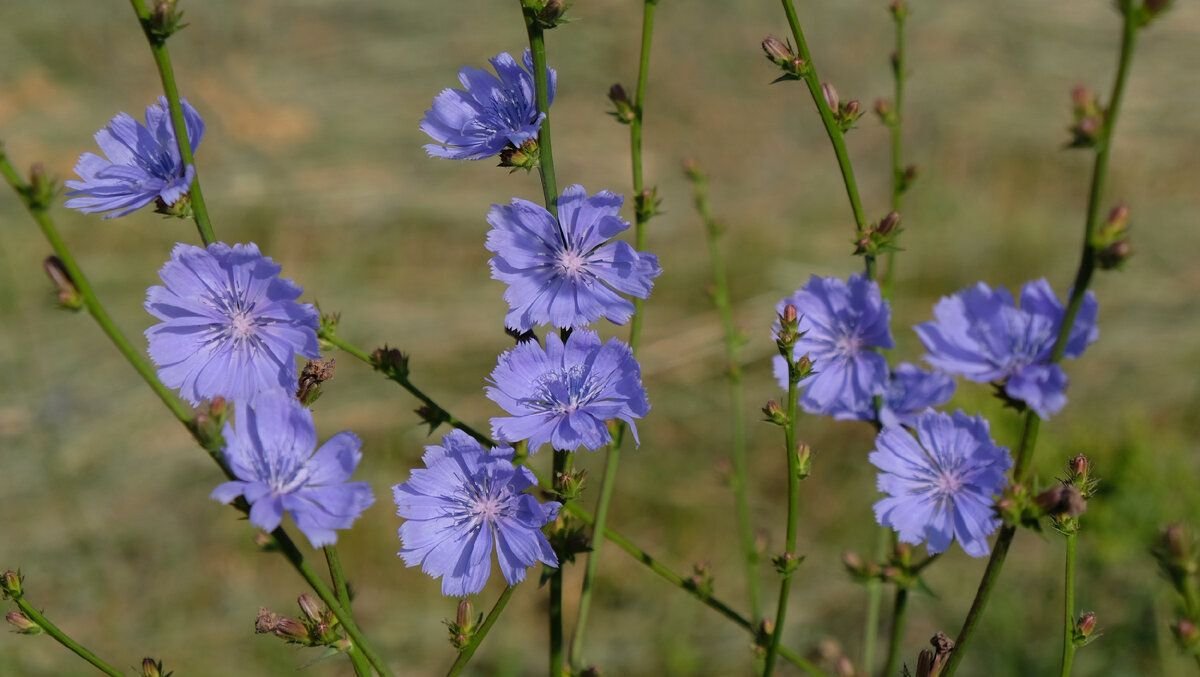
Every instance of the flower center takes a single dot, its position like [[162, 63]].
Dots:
[[848, 344], [571, 263], [948, 483], [241, 325], [563, 391], [488, 508]]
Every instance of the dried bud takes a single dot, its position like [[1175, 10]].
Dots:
[[831, 96], [931, 663], [803, 461], [1086, 624], [311, 608], [624, 112], [11, 584], [1061, 501], [266, 621], [315, 373], [391, 362], [152, 668], [22, 623], [65, 289]]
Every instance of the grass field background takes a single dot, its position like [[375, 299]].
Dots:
[[313, 152]]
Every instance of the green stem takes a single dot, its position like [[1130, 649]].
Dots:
[[537, 46], [724, 305], [1083, 277], [465, 654], [895, 128], [897, 635], [836, 137], [342, 590], [561, 459], [793, 512], [612, 461], [65, 639], [162, 59], [874, 602], [1068, 650]]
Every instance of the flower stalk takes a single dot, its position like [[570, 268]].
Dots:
[[158, 24], [1083, 277], [32, 618], [893, 118], [342, 590], [468, 651]]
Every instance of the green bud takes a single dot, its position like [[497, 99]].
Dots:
[[11, 584], [22, 623], [68, 294], [773, 413], [624, 111], [525, 156], [803, 461], [153, 668]]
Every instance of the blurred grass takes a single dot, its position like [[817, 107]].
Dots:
[[313, 152]]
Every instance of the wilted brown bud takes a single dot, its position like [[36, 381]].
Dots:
[[311, 608], [266, 621], [625, 111], [314, 374], [67, 293], [391, 362]]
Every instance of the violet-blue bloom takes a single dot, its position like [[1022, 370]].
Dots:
[[564, 395], [843, 324], [981, 335], [910, 391], [269, 448], [568, 271], [941, 484], [142, 165], [491, 112], [230, 326], [463, 502]]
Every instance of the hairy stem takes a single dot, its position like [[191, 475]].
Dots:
[[465, 654], [642, 214], [793, 511], [1068, 650], [65, 639], [162, 59], [342, 590]]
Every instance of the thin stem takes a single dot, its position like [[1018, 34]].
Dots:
[[642, 213], [883, 539], [733, 372], [793, 511], [65, 639], [895, 128], [1068, 650], [1083, 277], [537, 46], [162, 59], [836, 137], [897, 635], [465, 654], [342, 589], [561, 459]]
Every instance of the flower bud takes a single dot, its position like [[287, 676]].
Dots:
[[803, 461], [701, 579], [624, 112], [526, 156], [42, 188], [22, 623], [777, 51], [888, 224], [1187, 633], [1151, 9], [1061, 501], [1086, 624], [831, 96], [883, 108], [311, 608], [899, 9], [292, 631], [151, 668], [391, 362], [68, 294], [11, 584], [853, 563], [463, 626]]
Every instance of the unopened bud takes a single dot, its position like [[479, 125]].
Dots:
[[462, 615], [831, 96], [1118, 217], [844, 667], [888, 224], [853, 562], [42, 188], [311, 608], [1061, 501], [314, 374], [1086, 624], [391, 362], [11, 584], [804, 366], [292, 631], [803, 461], [790, 314], [1114, 255], [1155, 7], [22, 624], [65, 289], [624, 112], [152, 668], [524, 156], [1187, 633], [883, 108], [1083, 98], [898, 8], [1079, 467], [1175, 542], [777, 51], [852, 110]]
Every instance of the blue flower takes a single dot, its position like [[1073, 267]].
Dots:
[[568, 271], [843, 324], [269, 448], [941, 484], [492, 112], [981, 335], [465, 500], [565, 395], [230, 326], [910, 391], [143, 164]]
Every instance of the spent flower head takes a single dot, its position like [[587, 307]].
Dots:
[[565, 394], [981, 335], [567, 271], [230, 326], [491, 112], [271, 449], [465, 501], [841, 325], [141, 164], [940, 483]]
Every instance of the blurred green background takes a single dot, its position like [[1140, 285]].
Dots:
[[313, 151]]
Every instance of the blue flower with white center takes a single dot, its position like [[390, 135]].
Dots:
[[141, 164], [465, 501]]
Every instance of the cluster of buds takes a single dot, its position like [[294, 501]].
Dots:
[[545, 14], [646, 204], [568, 486], [1148, 10], [845, 113], [22, 624], [207, 423], [181, 208], [317, 626], [165, 20], [153, 668], [65, 290], [464, 625], [314, 374], [1088, 118], [781, 54], [1016, 507], [327, 327], [526, 156], [829, 654], [879, 238], [898, 569], [568, 538], [787, 563], [762, 636], [1179, 559], [390, 361], [623, 108], [1111, 240], [432, 416], [931, 662], [701, 580]]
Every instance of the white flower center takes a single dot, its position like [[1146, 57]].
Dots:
[[488, 508], [241, 324], [848, 344], [948, 483], [571, 263]]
